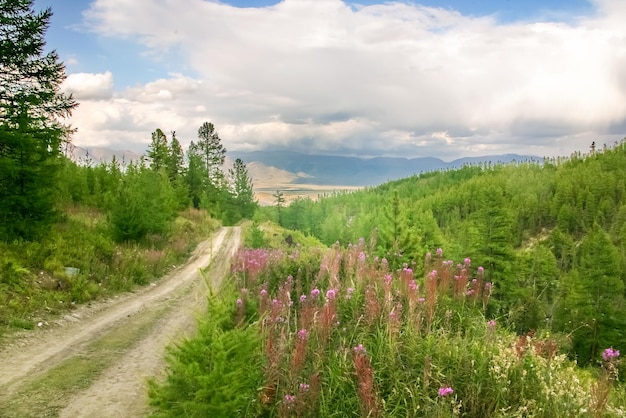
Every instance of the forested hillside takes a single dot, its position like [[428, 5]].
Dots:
[[551, 236], [112, 226]]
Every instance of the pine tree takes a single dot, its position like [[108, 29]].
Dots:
[[159, 151], [31, 130], [398, 237], [593, 306], [242, 190], [195, 177], [175, 163], [213, 153]]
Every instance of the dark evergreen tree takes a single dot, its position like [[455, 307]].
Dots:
[[159, 151], [196, 176], [242, 190], [145, 204], [593, 307], [213, 153], [31, 130], [176, 160], [398, 238]]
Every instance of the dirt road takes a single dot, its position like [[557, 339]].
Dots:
[[95, 362]]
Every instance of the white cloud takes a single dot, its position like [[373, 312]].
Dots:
[[86, 86], [385, 79]]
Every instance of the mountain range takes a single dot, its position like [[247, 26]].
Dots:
[[354, 171], [269, 168]]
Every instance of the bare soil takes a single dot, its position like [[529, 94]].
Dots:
[[95, 362]]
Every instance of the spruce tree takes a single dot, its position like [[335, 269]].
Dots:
[[31, 127], [242, 189], [159, 151]]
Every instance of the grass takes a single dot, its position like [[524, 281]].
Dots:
[[35, 286]]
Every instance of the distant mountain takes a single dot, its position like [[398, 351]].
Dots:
[[269, 169], [354, 171]]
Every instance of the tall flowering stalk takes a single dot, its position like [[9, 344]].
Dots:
[[299, 352], [372, 306], [328, 317], [370, 404], [431, 297], [602, 387]]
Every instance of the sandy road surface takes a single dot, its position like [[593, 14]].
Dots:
[[169, 308]]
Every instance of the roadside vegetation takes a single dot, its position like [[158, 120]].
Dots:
[[487, 291], [317, 331]]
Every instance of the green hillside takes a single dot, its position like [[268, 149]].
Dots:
[[551, 236]]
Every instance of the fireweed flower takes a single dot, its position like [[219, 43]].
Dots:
[[263, 292], [239, 302], [610, 354], [304, 387], [290, 400], [491, 324], [303, 334], [330, 294], [445, 391], [315, 293], [359, 349], [439, 252], [302, 298]]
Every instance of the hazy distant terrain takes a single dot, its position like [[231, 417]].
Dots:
[[296, 174], [353, 171]]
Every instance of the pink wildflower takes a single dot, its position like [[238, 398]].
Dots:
[[359, 349], [445, 391], [610, 354]]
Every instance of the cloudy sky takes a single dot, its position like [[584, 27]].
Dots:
[[443, 78]]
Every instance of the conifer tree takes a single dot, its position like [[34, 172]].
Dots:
[[593, 304], [196, 176], [279, 201], [213, 153], [397, 236], [176, 160], [242, 189], [31, 129], [159, 151]]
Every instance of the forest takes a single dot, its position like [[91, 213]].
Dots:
[[551, 236]]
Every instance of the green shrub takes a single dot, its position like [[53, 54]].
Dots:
[[215, 374]]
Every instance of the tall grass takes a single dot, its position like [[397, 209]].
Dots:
[[353, 339], [35, 284]]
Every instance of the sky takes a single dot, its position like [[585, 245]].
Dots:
[[441, 78]]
